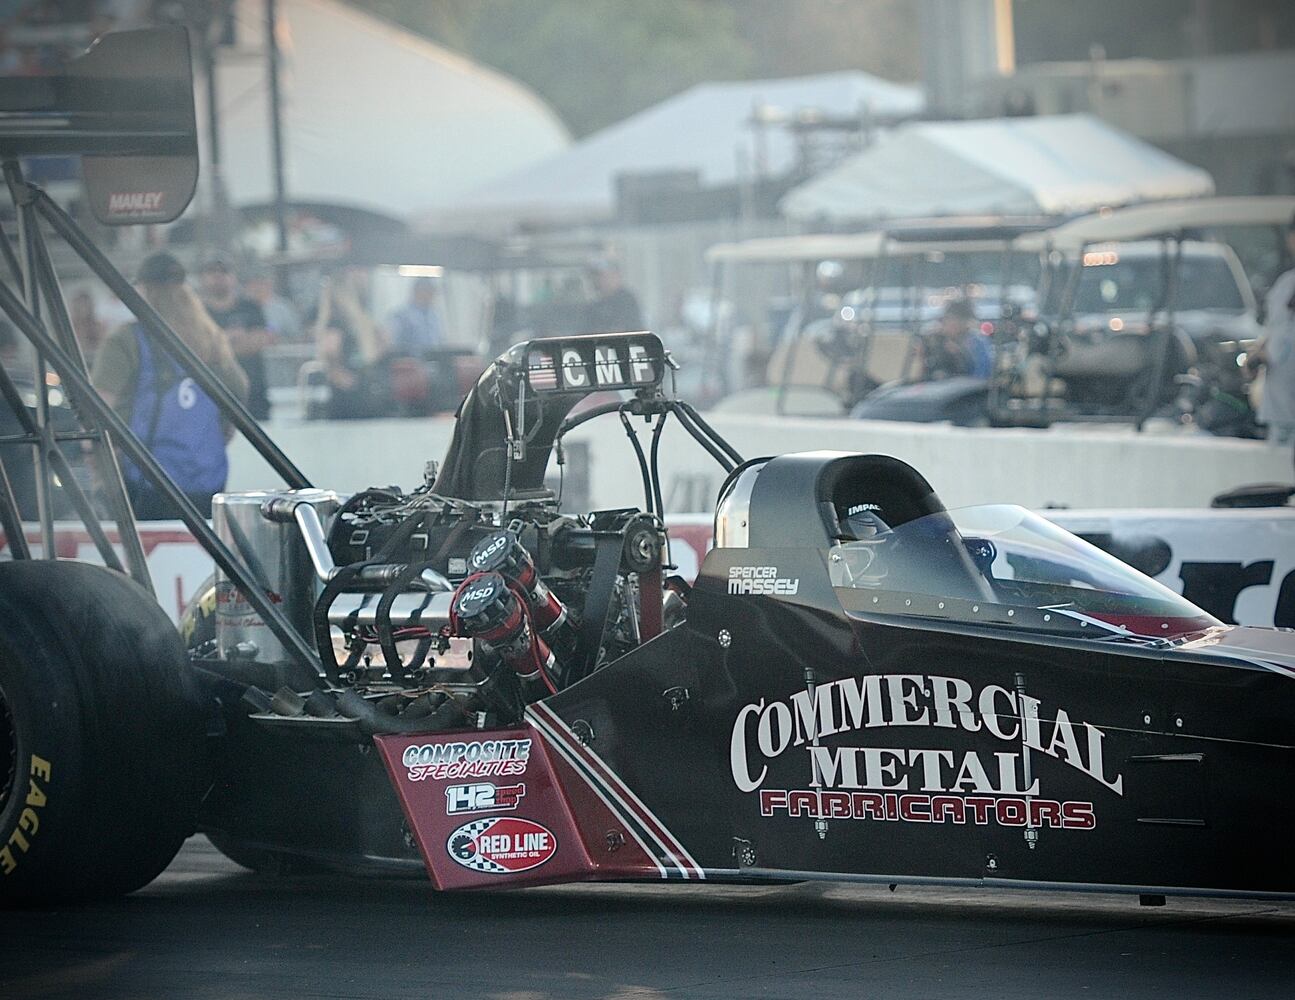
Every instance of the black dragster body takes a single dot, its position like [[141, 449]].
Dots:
[[466, 682], [862, 686]]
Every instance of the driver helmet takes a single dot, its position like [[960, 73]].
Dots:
[[862, 522], [863, 532]]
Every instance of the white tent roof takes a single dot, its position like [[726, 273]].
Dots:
[[1053, 165], [788, 249], [706, 128], [374, 117]]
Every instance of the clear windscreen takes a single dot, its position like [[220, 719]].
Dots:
[[1000, 559], [1136, 284]]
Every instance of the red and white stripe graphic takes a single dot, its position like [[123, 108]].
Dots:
[[671, 857]]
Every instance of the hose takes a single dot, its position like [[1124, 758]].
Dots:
[[713, 434], [726, 463], [656, 477], [642, 460], [382, 619], [335, 586]]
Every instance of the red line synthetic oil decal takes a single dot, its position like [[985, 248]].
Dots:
[[501, 845]]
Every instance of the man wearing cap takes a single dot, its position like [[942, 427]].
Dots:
[[244, 321], [615, 309], [1277, 353], [416, 327], [957, 347]]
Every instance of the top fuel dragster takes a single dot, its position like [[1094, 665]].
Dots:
[[466, 682], [860, 684]]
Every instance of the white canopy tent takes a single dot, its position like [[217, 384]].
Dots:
[[1052, 165], [374, 117], [798, 249], [707, 128]]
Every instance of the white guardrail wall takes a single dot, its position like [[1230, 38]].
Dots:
[[1155, 485], [1072, 466], [1238, 564]]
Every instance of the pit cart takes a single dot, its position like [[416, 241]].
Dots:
[[1142, 316], [1119, 316], [466, 683], [854, 341]]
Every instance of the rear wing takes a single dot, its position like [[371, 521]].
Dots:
[[125, 107]]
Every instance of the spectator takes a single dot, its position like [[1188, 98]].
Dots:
[[175, 418], [615, 309], [1276, 352], [86, 324], [957, 347], [244, 322], [351, 349], [281, 317], [416, 326]]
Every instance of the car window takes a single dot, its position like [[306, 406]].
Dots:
[[1111, 283]]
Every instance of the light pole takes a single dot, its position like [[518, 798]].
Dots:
[[276, 124]]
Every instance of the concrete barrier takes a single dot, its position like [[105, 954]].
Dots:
[[1073, 466]]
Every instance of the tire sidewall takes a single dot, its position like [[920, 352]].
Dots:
[[109, 727], [49, 769]]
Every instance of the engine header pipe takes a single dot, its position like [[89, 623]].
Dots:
[[125, 438], [230, 405]]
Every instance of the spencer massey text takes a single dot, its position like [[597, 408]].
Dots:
[[764, 731]]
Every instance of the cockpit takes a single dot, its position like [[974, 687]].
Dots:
[[892, 548]]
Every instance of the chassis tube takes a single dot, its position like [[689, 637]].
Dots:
[[114, 490], [12, 306], [230, 405]]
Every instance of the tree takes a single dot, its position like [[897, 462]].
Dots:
[[595, 61], [599, 61]]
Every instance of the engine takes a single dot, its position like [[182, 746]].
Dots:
[[459, 602]]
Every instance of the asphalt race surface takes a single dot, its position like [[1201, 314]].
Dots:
[[206, 928]]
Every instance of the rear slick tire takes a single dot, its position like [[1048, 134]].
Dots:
[[101, 735]]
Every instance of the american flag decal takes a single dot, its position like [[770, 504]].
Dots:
[[542, 371]]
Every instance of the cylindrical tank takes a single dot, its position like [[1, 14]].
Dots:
[[276, 555]]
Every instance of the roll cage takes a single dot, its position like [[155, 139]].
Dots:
[[126, 108]]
